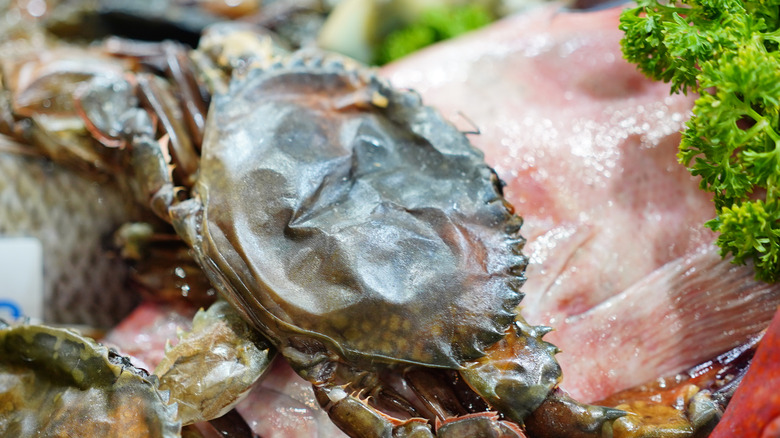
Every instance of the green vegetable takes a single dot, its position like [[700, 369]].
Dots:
[[727, 52], [434, 25]]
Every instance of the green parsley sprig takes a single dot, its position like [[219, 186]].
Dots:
[[727, 52], [434, 25]]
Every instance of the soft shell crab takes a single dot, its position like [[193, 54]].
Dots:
[[352, 174], [71, 377], [344, 174]]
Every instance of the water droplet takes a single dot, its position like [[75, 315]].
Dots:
[[36, 8]]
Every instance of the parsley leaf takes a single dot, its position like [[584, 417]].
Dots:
[[434, 25], [727, 52]]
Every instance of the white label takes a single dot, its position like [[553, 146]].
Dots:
[[21, 278]]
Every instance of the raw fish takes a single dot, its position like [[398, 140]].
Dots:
[[621, 264]]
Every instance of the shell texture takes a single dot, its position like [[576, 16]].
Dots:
[[360, 217], [54, 379]]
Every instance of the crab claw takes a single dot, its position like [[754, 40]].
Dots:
[[562, 416], [518, 376], [210, 370]]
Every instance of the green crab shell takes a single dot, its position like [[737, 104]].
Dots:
[[339, 209], [55, 382]]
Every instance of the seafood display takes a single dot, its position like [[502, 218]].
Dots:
[[613, 221], [353, 231]]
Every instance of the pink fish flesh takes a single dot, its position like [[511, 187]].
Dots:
[[282, 405], [620, 263], [145, 332]]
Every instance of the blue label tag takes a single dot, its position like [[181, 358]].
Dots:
[[10, 310]]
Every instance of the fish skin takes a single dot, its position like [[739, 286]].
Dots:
[[85, 282], [683, 314], [620, 262]]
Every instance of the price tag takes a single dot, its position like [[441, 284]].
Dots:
[[21, 278]]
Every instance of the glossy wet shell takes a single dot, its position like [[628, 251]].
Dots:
[[342, 210], [52, 380]]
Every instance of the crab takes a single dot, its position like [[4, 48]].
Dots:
[[352, 228], [336, 215], [71, 378]]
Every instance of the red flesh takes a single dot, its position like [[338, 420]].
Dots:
[[754, 411]]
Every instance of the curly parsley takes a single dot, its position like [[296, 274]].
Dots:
[[727, 52]]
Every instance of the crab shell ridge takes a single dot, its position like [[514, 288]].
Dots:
[[338, 209]]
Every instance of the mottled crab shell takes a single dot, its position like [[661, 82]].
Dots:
[[55, 382], [340, 209]]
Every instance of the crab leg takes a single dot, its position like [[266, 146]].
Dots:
[[483, 424], [172, 58], [151, 172], [180, 69], [563, 417], [406, 401], [358, 419], [124, 124], [515, 377], [161, 101]]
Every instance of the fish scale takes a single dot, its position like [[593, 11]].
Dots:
[[84, 282]]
